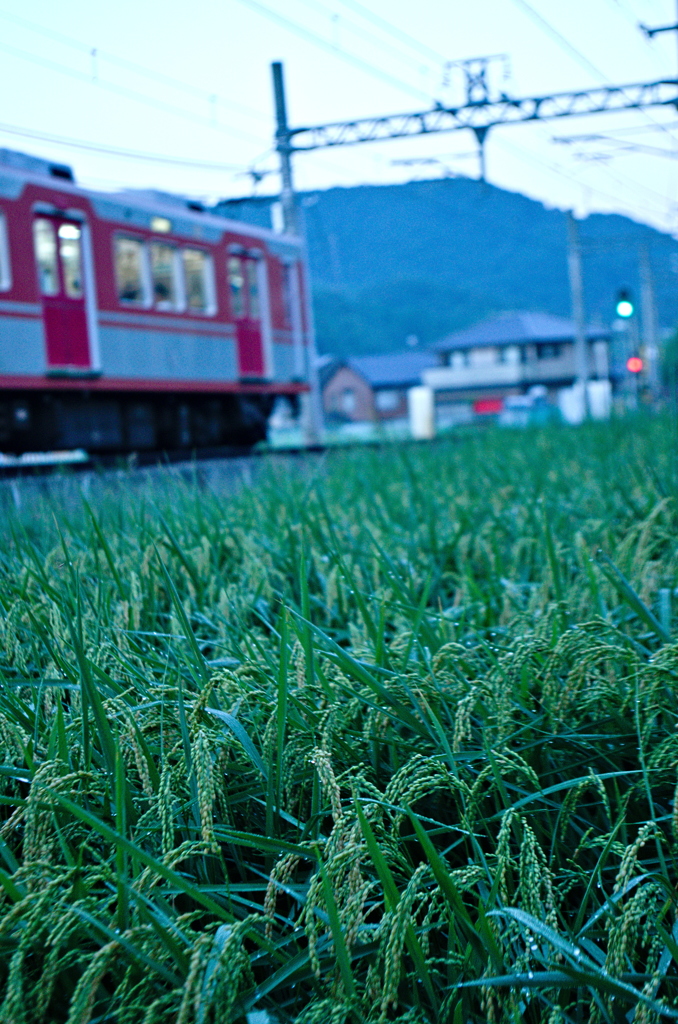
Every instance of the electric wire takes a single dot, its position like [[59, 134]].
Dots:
[[127, 154], [96, 53], [342, 54], [364, 34], [632, 19], [126, 92], [568, 47], [131, 94], [632, 130], [392, 30], [563, 42], [559, 38], [293, 26], [621, 146], [528, 157], [581, 58]]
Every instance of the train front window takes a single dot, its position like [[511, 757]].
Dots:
[[198, 281], [164, 276], [71, 262], [44, 238], [236, 286], [129, 270]]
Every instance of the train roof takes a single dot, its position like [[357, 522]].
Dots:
[[135, 207]]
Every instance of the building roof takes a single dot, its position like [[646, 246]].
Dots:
[[514, 328], [327, 367], [394, 369]]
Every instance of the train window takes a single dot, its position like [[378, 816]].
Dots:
[[44, 237], [287, 294], [130, 277], [253, 289], [199, 281], [71, 263], [163, 270], [236, 285], [5, 273]]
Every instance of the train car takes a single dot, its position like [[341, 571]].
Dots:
[[139, 320]]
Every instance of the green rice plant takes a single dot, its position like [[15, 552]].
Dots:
[[388, 736]]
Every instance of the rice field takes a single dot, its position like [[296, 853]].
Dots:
[[392, 737]]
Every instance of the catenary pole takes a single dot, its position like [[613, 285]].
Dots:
[[312, 416], [284, 149], [648, 311], [581, 367]]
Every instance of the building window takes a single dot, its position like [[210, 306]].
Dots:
[[548, 351], [164, 275], [5, 271], [199, 281], [130, 270], [486, 356], [44, 237], [347, 401], [387, 400], [511, 354]]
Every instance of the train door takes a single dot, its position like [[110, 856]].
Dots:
[[246, 309], [59, 258]]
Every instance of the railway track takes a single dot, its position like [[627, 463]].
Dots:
[[66, 481], [31, 464], [225, 470]]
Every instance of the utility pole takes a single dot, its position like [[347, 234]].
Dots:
[[581, 362], [311, 403], [648, 311], [284, 149]]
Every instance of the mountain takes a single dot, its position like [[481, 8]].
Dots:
[[430, 257]]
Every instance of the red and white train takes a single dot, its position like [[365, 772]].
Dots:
[[137, 320]]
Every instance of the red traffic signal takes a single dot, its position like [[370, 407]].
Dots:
[[634, 364]]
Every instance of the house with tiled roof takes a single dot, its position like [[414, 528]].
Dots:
[[510, 354], [372, 387]]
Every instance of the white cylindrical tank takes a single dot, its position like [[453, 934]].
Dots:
[[599, 397], [572, 404], [421, 410]]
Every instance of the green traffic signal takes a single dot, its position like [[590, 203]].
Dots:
[[625, 307]]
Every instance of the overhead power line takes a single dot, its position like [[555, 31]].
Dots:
[[620, 145], [565, 44], [126, 92], [555, 169], [128, 154], [396, 33], [97, 54], [363, 33], [562, 41], [325, 44]]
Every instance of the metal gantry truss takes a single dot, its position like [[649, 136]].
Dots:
[[481, 116]]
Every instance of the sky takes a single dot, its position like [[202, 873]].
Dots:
[[178, 97]]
